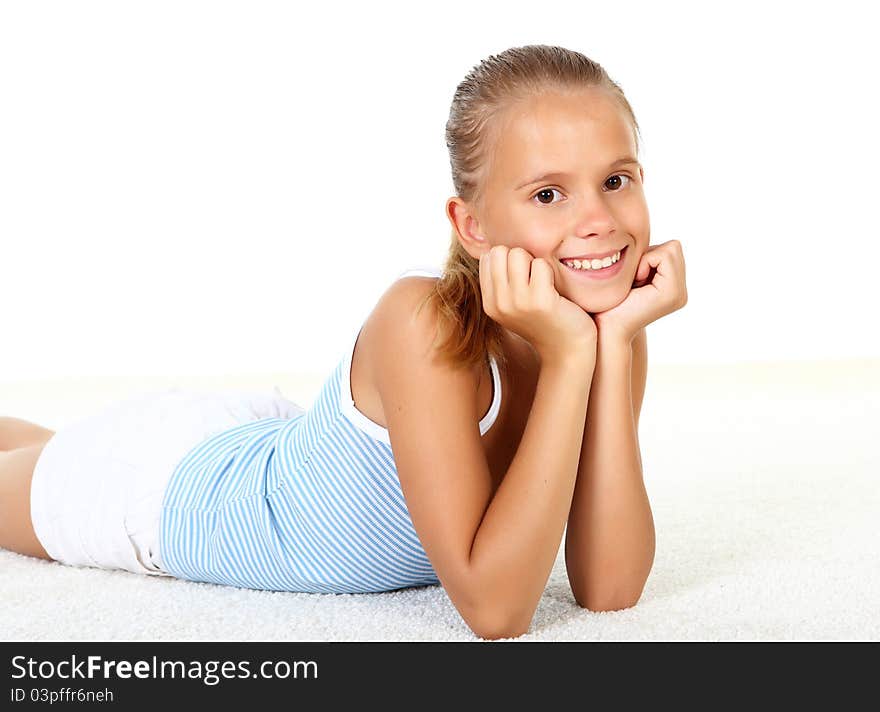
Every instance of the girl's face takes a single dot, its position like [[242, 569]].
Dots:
[[563, 181]]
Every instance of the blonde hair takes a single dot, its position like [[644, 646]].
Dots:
[[488, 90]]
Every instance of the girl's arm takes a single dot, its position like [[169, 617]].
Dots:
[[518, 539], [609, 543], [492, 551]]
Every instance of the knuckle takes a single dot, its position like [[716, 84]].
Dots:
[[518, 303]]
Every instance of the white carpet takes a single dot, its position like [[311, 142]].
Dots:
[[764, 481]]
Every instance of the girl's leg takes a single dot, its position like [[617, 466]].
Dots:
[[16, 529], [16, 433]]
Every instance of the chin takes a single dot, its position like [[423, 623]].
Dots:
[[597, 305]]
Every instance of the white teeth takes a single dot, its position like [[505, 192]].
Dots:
[[593, 264]]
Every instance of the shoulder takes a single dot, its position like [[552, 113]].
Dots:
[[403, 303], [403, 332], [407, 290], [402, 312]]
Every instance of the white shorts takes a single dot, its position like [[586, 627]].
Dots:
[[99, 483]]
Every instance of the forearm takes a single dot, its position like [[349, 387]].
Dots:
[[609, 548], [518, 540]]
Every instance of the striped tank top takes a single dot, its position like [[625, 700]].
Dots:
[[311, 503]]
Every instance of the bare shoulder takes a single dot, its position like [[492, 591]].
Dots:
[[406, 293], [404, 325], [402, 307]]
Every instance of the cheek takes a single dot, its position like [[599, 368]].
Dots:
[[516, 231], [633, 212], [537, 247], [639, 229], [532, 241], [642, 224]]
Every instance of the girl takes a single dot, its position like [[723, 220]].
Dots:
[[416, 465]]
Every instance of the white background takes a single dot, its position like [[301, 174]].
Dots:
[[213, 187]]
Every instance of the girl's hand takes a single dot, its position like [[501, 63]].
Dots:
[[659, 289], [518, 291]]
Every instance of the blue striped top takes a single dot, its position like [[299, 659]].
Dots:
[[311, 503]]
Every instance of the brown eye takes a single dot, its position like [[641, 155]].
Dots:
[[618, 176], [548, 192]]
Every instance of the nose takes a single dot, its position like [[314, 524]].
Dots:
[[596, 225], [593, 218]]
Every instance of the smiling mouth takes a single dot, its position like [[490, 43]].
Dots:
[[599, 270]]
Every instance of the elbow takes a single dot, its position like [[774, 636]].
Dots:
[[495, 611], [495, 630], [615, 594], [607, 601], [616, 599], [605, 605], [495, 623]]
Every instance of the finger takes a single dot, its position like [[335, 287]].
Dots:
[[668, 253], [541, 282], [641, 272], [661, 263], [498, 269], [519, 265], [486, 289], [650, 260]]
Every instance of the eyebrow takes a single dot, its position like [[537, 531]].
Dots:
[[562, 174]]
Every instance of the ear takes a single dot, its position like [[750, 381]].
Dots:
[[466, 226]]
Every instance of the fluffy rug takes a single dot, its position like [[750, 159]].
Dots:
[[764, 481]]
